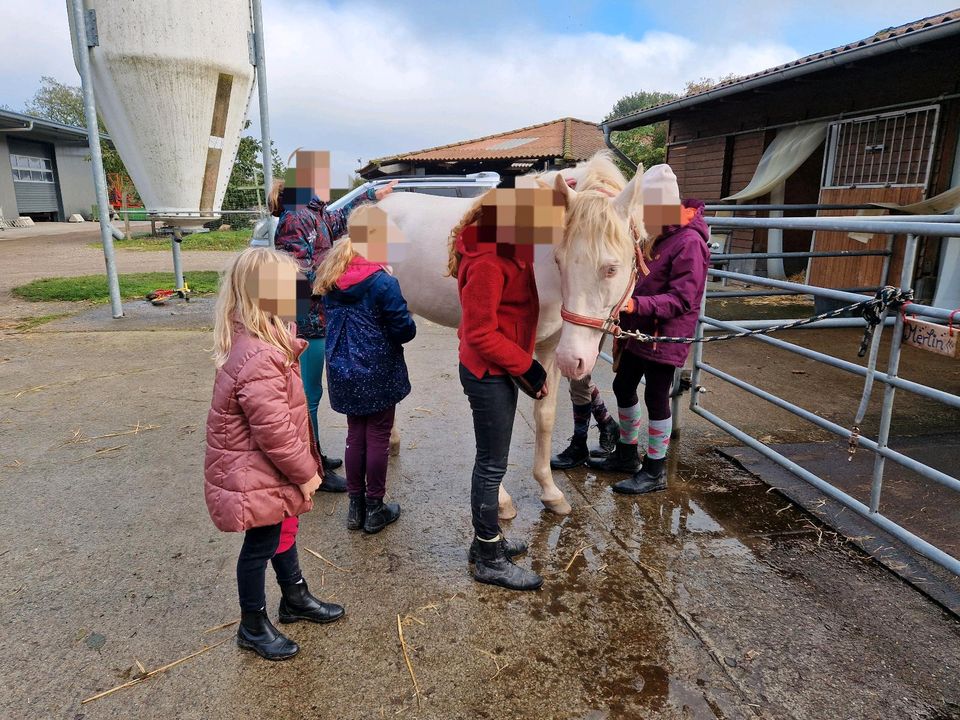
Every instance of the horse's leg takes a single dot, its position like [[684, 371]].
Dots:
[[545, 415]]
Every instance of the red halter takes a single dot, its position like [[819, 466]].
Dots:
[[611, 324]]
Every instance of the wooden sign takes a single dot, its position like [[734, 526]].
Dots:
[[930, 336]]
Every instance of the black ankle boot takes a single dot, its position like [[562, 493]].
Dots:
[[574, 456], [609, 434], [298, 604], [651, 477], [328, 463], [511, 547], [257, 633], [623, 460], [379, 515], [357, 512], [333, 483], [495, 567]]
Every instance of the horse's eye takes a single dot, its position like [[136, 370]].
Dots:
[[610, 271]]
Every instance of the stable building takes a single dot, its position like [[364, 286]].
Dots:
[[875, 121], [44, 169], [550, 145]]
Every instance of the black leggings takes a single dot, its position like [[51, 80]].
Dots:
[[259, 547], [493, 401], [659, 377]]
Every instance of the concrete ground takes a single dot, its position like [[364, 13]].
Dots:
[[716, 599]]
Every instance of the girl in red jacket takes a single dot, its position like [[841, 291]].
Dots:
[[262, 466], [498, 329]]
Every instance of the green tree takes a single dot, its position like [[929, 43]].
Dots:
[[694, 87], [647, 144], [245, 187], [64, 104]]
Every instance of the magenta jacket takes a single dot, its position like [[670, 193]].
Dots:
[[259, 440], [667, 301]]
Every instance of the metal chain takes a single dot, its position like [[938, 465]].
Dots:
[[871, 310]]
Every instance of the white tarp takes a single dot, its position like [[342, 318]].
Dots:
[[788, 151]]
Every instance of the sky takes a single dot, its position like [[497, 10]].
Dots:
[[370, 78]]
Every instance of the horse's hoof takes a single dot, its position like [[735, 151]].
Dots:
[[507, 510], [560, 506]]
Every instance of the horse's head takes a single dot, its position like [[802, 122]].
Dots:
[[604, 224]]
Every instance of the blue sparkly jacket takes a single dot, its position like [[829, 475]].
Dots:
[[367, 325]]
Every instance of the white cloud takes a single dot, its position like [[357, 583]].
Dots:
[[365, 85], [365, 80]]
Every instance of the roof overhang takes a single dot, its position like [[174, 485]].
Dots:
[[17, 123], [844, 57]]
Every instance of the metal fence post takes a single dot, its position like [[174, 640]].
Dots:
[[697, 356], [886, 413], [261, 64], [83, 46]]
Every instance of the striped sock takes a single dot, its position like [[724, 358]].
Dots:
[[581, 420], [598, 407], [629, 424], [658, 438]]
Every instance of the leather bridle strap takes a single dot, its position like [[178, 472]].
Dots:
[[611, 324]]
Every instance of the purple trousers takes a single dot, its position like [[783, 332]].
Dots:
[[368, 448]]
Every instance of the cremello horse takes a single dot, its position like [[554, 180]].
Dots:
[[589, 273]]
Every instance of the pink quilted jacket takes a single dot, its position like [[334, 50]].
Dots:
[[259, 440]]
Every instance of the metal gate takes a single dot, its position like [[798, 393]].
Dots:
[[912, 227]]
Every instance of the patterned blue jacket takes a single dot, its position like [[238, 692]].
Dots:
[[307, 234]]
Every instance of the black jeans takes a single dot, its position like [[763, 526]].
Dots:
[[659, 377], [493, 400], [259, 547]]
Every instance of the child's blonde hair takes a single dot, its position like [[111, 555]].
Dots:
[[338, 259], [235, 304], [333, 266]]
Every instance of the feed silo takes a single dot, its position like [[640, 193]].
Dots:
[[173, 83]]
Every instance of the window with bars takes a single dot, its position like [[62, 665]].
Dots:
[[889, 150], [31, 169]]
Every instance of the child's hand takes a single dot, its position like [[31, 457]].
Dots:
[[385, 190], [629, 307], [310, 487]]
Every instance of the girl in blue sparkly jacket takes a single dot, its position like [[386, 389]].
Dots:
[[367, 324]]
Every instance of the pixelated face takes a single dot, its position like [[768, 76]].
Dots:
[[274, 289], [659, 213], [310, 177], [517, 221], [376, 238]]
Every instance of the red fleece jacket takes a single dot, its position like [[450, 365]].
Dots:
[[498, 329]]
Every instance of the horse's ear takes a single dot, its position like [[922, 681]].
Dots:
[[630, 200], [560, 186]]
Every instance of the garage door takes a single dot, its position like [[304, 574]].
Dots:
[[34, 179]]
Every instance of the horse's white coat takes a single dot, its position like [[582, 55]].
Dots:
[[426, 222]]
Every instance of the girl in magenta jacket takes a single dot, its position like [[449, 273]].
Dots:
[[666, 302], [262, 466]]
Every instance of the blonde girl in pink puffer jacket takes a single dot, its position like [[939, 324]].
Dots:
[[261, 466]]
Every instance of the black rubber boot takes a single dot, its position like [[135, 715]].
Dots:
[[379, 515], [333, 483], [357, 512], [495, 567], [624, 460], [329, 463], [574, 456], [609, 434], [298, 604], [257, 633], [651, 477], [511, 547]]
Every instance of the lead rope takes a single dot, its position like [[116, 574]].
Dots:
[[874, 311]]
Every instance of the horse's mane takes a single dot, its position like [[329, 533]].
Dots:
[[591, 216]]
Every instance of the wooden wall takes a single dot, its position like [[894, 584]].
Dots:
[[858, 271]]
